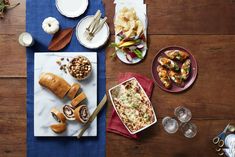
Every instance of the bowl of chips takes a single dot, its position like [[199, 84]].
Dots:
[[130, 35]]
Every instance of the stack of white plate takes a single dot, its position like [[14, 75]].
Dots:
[[71, 8]]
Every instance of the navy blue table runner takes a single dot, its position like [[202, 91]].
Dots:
[[36, 12]]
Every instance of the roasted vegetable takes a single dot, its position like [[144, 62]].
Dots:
[[138, 53]]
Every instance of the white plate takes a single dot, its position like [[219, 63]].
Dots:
[[110, 95], [230, 138], [121, 55], [99, 39], [71, 8], [44, 100]]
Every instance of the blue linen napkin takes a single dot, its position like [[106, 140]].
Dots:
[[36, 12]]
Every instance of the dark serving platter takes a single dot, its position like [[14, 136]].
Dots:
[[192, 76]]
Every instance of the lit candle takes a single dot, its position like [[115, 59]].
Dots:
[[26, 39]]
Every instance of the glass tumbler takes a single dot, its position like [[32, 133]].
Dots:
[[170, 125], [188, 129], [183, 114]]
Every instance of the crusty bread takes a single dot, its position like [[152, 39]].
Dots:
[[75, 102], [73, 90], [55, 84]]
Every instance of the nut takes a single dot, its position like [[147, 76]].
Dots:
[[80, 67]]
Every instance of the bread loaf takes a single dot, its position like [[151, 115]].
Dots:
[[73, 90], [55, 84]]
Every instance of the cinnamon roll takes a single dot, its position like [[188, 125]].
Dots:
[[82, 114], [58, 116], [68, 112], [58, 128]]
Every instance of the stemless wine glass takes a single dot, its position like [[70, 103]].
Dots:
[[170, 125], [183, 114], [188, 129]]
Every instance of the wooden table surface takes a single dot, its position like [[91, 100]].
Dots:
[[205, 27]]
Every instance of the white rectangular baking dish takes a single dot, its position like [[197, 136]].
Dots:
[[110, 95]]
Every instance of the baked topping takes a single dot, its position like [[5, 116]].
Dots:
[[81, 114], [75, 102], [132, 105], [80, 67], [58, 116], [68, 112]]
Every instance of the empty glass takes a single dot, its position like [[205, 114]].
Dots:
[[188, 129], [183, 114], [170, 125]]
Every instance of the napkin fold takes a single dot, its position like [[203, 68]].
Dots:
[[115, 125]]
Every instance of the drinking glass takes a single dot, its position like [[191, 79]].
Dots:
[[188, 129], [183, 114], [170, 125]]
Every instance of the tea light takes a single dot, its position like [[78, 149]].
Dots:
[[26, 39]]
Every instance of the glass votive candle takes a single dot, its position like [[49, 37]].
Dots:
[[26, 39]]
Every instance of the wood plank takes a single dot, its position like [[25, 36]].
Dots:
[[186, 17], [212, 95], [14, 128], [165, 17], [211, 47], [12, 56], [14, 24], [14, 21], [155, 141], [13, 117]]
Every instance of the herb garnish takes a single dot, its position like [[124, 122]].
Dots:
[[5, 5]]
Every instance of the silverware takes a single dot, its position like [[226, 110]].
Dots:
[[97, 28], [93, 116], [93, 22], [219, 139]]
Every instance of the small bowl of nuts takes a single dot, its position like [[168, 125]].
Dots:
[[80, 68]]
